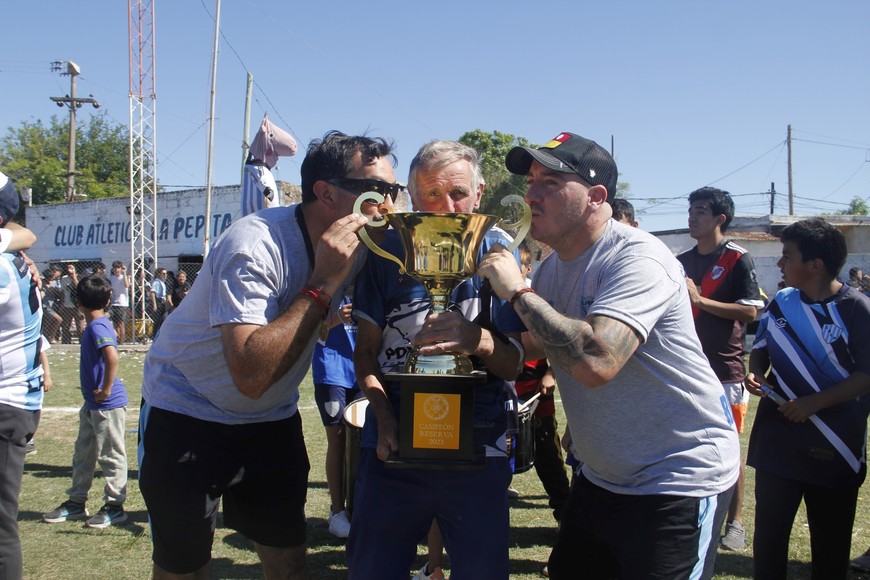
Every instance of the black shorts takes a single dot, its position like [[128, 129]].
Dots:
[[187, 465], [637, 536], [118, 313]]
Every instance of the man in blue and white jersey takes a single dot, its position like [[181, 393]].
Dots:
[[393, 508], [20, 381]]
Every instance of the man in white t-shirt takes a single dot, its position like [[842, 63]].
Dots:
[[610, 310], [220, 421]]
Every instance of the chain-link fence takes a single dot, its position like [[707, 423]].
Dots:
[[64, 324]]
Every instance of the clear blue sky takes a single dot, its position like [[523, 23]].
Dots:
[[693, 92]]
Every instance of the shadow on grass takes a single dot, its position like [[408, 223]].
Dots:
[[136, 524], [43, 471], [733, 564], [325, 557]]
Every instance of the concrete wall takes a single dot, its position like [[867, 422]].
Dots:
[[100, 229], [766, 250]]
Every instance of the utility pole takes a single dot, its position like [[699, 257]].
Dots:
[[246, 147], [772, 195], [71, 101], [790, 182], [217, 28]]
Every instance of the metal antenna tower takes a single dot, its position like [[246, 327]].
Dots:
[[143, 157]]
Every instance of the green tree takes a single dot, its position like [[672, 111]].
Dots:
[[494, 147], [857, 206], [36, 156]]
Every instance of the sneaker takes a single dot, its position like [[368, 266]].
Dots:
[[512, 493], [30, 448], [68, 510], [861, 563], [109, 515], [734, 538], [339, 526], [436, 574]]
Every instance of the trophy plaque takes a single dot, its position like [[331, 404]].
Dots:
[[436, 424]]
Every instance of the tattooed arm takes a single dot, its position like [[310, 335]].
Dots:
[[592, 350]]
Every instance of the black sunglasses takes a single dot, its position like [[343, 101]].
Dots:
[[360, 186]]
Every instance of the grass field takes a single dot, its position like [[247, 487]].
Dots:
[[71, 550]]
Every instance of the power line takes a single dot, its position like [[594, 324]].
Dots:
[[836, 138], [832, 144]]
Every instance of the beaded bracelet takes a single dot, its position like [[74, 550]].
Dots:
[[320, 297], [519, 293]]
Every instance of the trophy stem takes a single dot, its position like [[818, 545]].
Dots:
[[440, 301]]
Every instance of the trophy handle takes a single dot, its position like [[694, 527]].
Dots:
[[375, 197], [525, 222]]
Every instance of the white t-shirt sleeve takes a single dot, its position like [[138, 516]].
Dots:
[[5, 239]]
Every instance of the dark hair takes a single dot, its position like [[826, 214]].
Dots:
[[622, 208], [817, 239], [117, 264], [94, 291], [720, 203], [100, 266], [50, 271], [332, 158], [853, 271]]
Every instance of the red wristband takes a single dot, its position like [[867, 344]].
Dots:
[[519, 293], [320, 297]]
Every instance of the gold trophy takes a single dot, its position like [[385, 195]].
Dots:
[[440, 252], [436, 419]]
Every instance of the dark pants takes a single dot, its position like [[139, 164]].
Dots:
[[16, 427], [830, 514], [158, 315], [394, 508], [606, 535], [549, 464]]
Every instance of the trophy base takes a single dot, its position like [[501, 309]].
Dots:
[[436, 425]]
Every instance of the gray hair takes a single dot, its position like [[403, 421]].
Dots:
[[437, 154]]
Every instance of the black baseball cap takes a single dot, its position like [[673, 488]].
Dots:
[[8, 200], [568, 153]]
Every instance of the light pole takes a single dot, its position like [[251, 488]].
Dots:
[[73, 70]]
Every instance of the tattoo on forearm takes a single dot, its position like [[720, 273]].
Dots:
[[567, 341]]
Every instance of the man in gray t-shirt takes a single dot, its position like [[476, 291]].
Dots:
[[219, 419], [647, 414]]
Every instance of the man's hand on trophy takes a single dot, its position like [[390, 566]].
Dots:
[[448, 332], [333, 256], [500, 267]]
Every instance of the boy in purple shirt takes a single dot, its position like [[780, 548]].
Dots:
[[102, 416]]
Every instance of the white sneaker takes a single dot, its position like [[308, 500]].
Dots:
[[436, 574], [339, 526]]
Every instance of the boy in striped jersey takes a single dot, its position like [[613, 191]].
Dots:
[[811, 364]]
